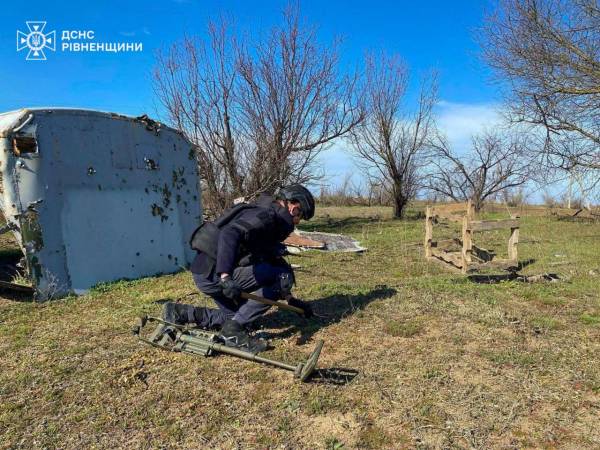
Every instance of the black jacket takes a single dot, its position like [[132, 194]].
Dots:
[[255, 233]]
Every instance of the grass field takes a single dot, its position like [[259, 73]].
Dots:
[[441, 361]]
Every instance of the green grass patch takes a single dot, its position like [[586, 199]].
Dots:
[[319, 403], [373, 436], [403, 328], [510, 357], [333, 443], [590, 319], [546, 323]]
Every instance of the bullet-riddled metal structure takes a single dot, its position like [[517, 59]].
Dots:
[[94, 197]]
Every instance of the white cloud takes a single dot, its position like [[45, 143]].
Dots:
[[459, 121]]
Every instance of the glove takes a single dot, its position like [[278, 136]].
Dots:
[[308, 312], [286, 283], [230, 288]]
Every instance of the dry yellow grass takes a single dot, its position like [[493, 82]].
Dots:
[[442, 362]]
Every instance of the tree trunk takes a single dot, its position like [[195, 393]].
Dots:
[[399, 205], [477, 203]]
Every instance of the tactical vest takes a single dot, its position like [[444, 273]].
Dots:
[[206, 237]]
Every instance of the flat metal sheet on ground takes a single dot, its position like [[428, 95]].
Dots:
[[334, 242]]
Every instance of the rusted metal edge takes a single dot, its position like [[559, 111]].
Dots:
[[31, 111], [16, 287], [23, 120]]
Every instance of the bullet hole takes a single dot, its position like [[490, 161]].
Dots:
[[157, 210], [150, 164]]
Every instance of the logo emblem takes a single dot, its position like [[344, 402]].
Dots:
[[36, 41]]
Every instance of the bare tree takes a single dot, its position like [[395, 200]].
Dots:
[[375, 191], [258, 113], [294, 102], [196, 82], [549, 52], [496, 164], [391, 142]]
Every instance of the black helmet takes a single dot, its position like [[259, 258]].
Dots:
[[298, 193]]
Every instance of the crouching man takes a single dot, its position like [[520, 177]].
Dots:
[[242, 252]]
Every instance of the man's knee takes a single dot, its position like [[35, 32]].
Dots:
[[269, 274], [206, 285]]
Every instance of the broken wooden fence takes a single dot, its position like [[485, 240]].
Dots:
[[470, 257]]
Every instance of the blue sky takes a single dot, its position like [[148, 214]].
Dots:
[[432, 34]]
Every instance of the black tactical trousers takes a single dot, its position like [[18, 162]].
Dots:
[[260, 279]]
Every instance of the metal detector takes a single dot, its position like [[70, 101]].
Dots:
[[181, 338]]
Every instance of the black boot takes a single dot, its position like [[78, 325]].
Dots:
[[234, 335], [178, 313]]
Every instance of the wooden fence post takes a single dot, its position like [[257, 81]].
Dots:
[[512, 244], [467, 243], [428, 231], [470, 210]]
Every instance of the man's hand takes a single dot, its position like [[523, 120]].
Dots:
[[230, 288], [286, 283], [308, 312]]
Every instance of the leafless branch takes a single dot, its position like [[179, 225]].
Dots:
[[548, 52], [498, 162], [258, 112], [391, 142]]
